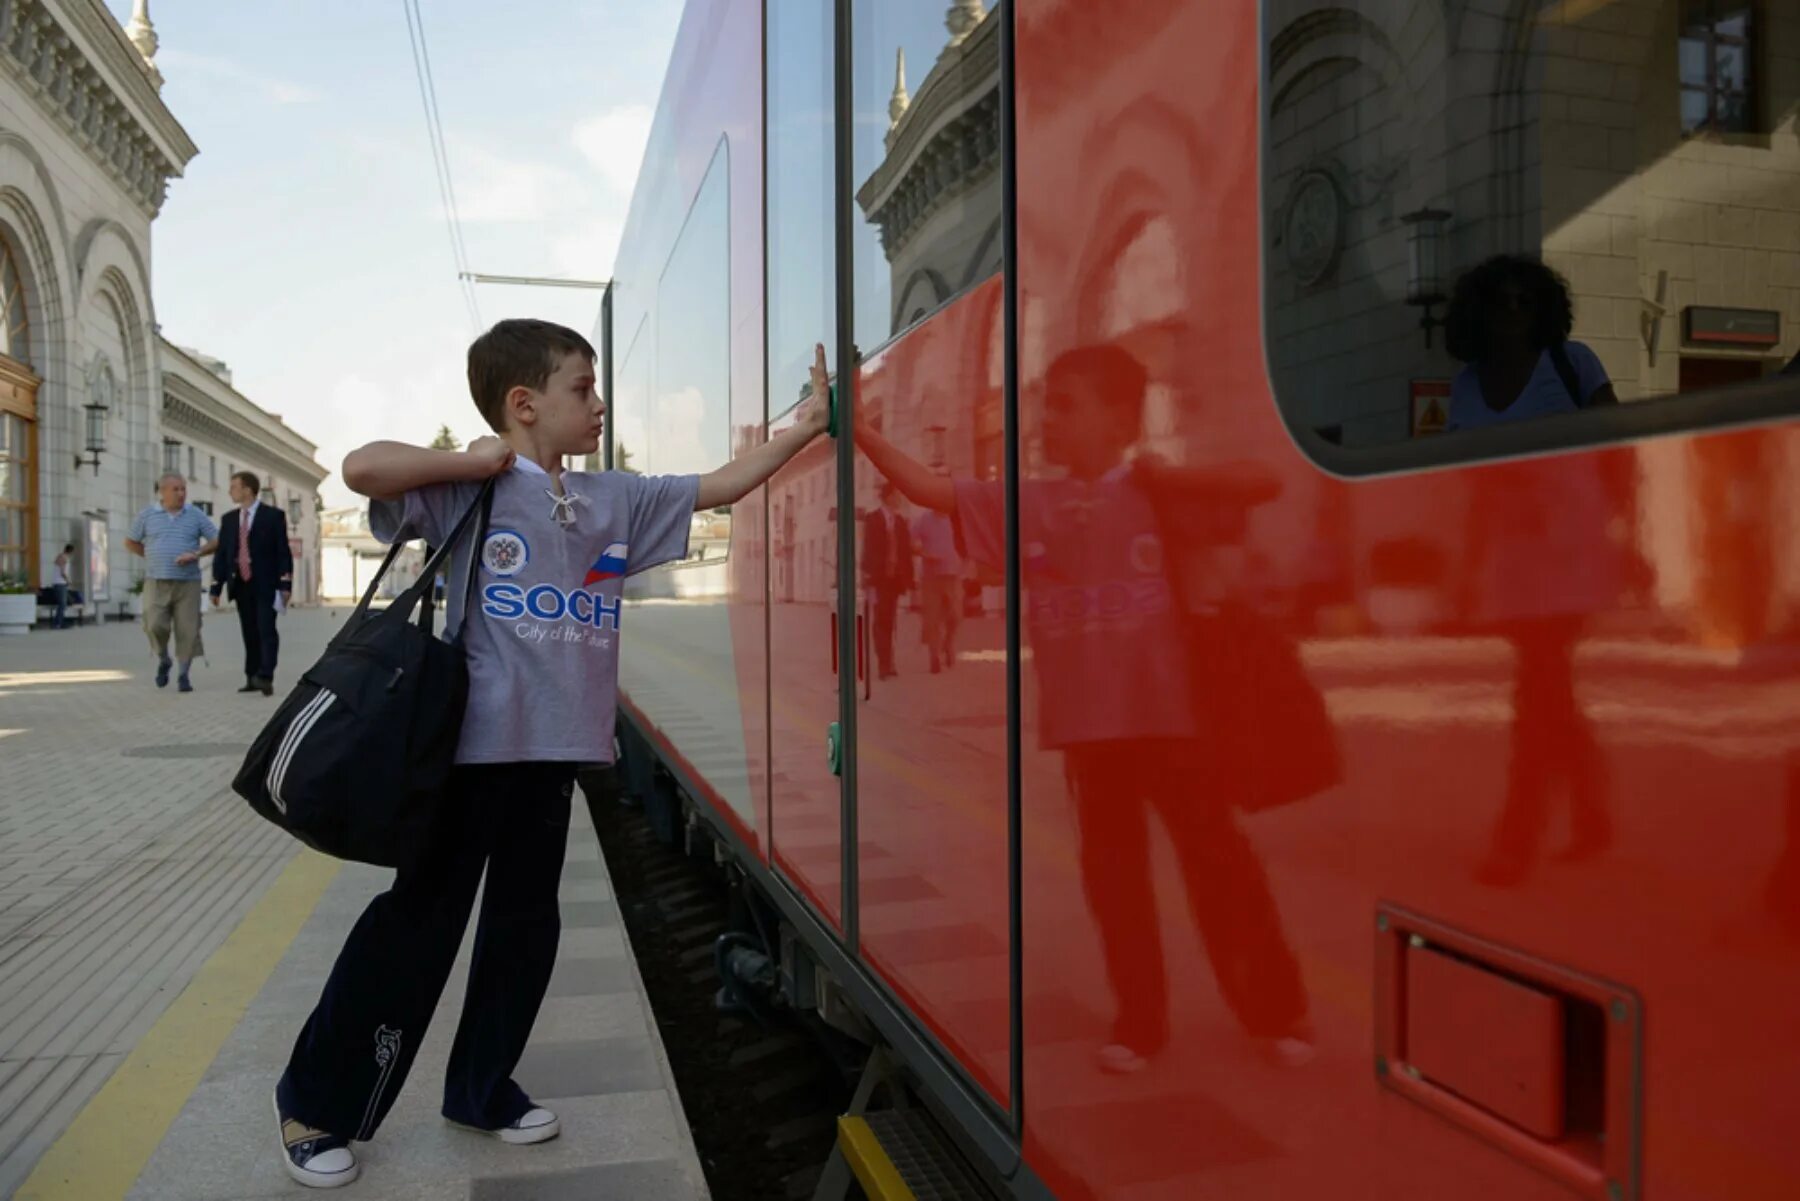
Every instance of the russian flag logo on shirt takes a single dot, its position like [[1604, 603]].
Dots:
[[609, 566]]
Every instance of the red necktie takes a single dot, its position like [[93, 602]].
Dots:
[[244, 545]]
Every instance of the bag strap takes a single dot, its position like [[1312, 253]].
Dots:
[[1565, 369], [487, 508], [407, 601], [479, 507]]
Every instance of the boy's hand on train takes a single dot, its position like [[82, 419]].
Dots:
[[493, 455], [815, 411]]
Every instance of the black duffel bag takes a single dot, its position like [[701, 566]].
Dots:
[[355, 759]]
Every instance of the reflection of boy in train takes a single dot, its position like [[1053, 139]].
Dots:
[[1114, 695], [1540, 567]]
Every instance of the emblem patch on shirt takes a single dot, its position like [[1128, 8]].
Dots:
[[1146, 554], [609, 566], [505, 553]]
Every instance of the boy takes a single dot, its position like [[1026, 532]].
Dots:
[[1115, 694], [542, 643]]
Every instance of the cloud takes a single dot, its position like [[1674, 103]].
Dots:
[[614, 141], [358, 410], [274, 90], [497, 188], [587, 249]]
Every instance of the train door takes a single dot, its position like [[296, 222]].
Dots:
[[932, 811], [808, 606]]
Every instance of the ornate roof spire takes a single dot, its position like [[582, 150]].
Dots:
[[963, 18], [899, 102], [143, 35]]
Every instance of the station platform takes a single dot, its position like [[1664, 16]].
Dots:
[[151, 985]]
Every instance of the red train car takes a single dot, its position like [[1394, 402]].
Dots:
[[1240, 710]]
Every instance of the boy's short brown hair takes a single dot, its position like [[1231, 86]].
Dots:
[[517, 353]]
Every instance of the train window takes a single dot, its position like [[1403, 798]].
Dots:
[[927, 168], [631, 402], [1486, 234], [802, 272], [689, 423]]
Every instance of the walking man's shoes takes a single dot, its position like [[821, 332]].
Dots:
[[264, 685], [183, 685], [250, 685], [162, 671]]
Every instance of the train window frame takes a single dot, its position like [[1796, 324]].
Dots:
[[779, 409], [1772, 400], [992, 238], [720, 164]]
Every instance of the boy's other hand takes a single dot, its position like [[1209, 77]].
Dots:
[[494, 455], [815, 410]]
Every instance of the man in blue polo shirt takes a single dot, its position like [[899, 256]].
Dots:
[[171, 537]]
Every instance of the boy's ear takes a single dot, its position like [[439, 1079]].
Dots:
[[521, 405]]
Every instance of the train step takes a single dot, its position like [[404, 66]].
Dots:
[[900, 1155]]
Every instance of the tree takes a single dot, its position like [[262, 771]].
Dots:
[[622, 460], [446, 440]]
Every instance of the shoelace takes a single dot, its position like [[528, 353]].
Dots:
[[562, 509]]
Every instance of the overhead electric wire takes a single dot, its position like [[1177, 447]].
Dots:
[[440, 155]]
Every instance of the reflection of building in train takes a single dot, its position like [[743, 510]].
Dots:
[[1649, 150], [1646, 148], [942, 162]]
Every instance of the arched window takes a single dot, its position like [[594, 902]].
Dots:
[[15, 331]]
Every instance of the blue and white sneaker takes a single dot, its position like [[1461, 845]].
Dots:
[[313, 1157], [162, 671], [538, 1125]]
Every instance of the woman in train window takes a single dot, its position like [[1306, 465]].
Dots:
[[1509, 323]]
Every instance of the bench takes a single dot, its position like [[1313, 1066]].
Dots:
[[75, 612]]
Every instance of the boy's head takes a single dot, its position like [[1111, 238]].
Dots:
[[536, 375], [1094, 407]]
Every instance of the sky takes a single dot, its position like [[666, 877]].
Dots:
[[306, 244]]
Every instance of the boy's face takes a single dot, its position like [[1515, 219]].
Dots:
[[1083, 430], [568, 414]]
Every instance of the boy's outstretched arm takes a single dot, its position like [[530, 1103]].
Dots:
[[389, 470], [738, 478], [917, 482]]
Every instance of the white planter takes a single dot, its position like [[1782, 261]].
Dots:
[[17, 612]]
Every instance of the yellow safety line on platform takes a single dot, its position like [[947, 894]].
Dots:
[[99, 1156], [869, 1163]]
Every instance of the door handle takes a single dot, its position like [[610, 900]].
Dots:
[[834, 748]]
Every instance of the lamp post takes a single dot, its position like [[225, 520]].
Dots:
[[96, 436], [1425, 246]]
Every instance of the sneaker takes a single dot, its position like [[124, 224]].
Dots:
[[313, 1157], [1117, 1059], [162, 672], [1289, 1051], [537, 1126], [183, 684]]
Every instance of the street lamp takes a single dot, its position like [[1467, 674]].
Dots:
[[1425, 246], [96, 436]]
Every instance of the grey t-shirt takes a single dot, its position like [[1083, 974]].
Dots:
[[543, 642]]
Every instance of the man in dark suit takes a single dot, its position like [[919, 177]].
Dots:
[[255, 566], [887, 570]]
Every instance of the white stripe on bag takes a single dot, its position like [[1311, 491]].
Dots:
[[287, 746], [290, 744]]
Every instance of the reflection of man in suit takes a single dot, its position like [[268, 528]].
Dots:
[[887, 570], [255, 565]]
